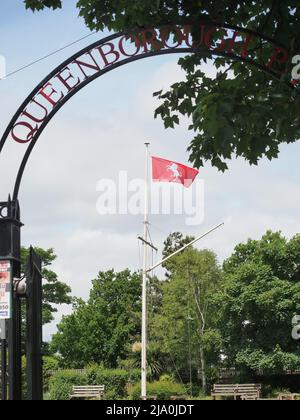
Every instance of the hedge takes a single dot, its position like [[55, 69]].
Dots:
[[163, 389], [114, 380], [61, 384]]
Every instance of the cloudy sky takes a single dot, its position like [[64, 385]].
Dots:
[[101, 131]]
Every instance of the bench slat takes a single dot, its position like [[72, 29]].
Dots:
[[237, 390], [89, 387], [88, 391]]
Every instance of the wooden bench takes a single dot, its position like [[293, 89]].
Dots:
[[242, 391], [88, 391], [288, 397]]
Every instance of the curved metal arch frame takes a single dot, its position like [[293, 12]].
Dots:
[[149, 54]]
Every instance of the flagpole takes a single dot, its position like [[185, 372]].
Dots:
[[144, 285]]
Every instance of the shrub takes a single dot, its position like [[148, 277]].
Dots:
[[24, 378], [194, 390], [274, 392], [49, 364], [114, 380], [163, 389], [61, 384], [167, 377]]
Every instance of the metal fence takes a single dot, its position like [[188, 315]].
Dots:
[[78, 371]]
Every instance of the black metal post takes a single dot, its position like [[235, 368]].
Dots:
[[3, 371], [34, 327], [10, 250], [15, 351]]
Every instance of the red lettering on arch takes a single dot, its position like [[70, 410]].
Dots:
[[208, 36], [49, 95], [232, 43], [136, 43], [246, 45], [227, 44], [187, 32], [149, 38], [64, 78], [82, 64], [111, 52], [29, 137], [180, 36], [33, 117]]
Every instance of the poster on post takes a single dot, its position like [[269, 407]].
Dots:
[[5, 289]]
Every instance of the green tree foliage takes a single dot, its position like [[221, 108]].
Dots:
[[200, 317], [156, 360], [41, 4], [243, 112], [186, 324], [173, 243], [55, 292], [262, 296], [100, 330]]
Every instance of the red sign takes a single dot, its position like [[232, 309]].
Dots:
[[5, 289]]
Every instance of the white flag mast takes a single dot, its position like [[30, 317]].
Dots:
[[144, 285], [147, 270]]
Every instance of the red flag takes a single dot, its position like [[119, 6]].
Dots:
[[168, 171]]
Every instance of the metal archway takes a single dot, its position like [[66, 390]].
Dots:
[[117, 50]]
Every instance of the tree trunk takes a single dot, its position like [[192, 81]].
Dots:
[[203, 371]]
